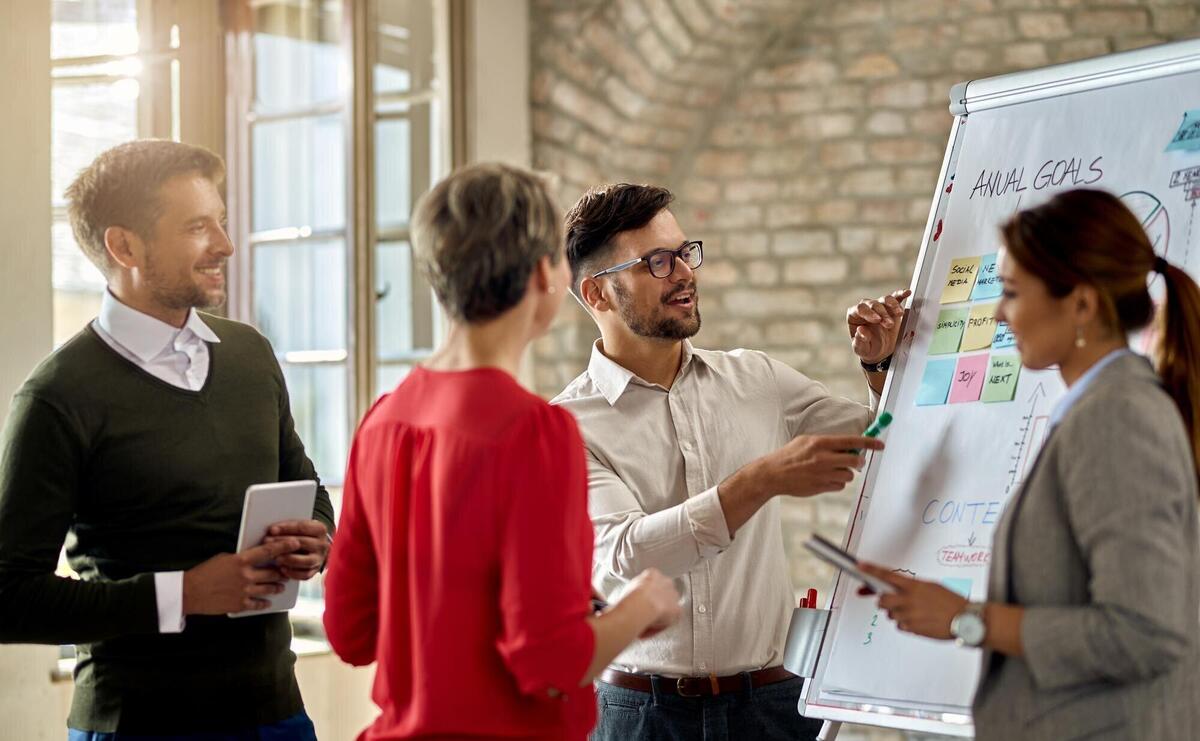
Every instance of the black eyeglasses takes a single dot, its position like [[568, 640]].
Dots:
[[662, 262]]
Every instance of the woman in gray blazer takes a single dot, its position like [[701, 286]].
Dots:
[[1090, 627]]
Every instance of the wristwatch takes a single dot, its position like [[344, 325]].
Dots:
[[968, 627], [878, 367]]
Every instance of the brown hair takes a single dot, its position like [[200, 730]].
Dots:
[[120, 188], [1089, 237], [601, 214], [478, 235]]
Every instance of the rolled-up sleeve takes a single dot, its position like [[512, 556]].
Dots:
[[809, 408], [1128, 514], [546, 640], [629, 540]]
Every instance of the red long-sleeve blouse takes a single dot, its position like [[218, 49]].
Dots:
[[462, 561]]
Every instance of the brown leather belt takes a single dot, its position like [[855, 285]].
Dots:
[[709, 686]]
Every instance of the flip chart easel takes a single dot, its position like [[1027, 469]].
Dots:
[[969, 419]]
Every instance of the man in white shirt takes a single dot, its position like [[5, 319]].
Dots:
[[687, 451]]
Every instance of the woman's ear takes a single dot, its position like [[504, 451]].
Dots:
[[1084, 303]]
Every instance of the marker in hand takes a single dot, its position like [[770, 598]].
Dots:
[[877, 427]]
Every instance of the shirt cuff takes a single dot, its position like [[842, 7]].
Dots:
[[707, 520], [168, 593]]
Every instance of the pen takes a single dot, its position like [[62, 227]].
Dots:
[[876, 428]]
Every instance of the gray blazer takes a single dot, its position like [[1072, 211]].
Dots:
[[1100, 546]]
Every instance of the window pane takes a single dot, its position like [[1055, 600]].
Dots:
[[85, 120], [393, 173], [318, 394], [387, 377], [393, 308], [297, 59], [300, 295], [299, 175], [404, 38], [88, 28]]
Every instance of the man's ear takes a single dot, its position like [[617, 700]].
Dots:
[[593, 296], [124, 247]]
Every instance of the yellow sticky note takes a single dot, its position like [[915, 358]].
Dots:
[[960, 280], [981, 327]]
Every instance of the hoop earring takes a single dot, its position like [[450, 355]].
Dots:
[[1079, 341]]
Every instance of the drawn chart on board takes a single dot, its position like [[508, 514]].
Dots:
[[969, 418]]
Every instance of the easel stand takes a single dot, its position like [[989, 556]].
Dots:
[[829, 731], [803, 646]]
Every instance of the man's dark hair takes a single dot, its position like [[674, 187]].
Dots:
[[603, 213]]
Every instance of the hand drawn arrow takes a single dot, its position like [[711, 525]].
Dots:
[[971, 540]]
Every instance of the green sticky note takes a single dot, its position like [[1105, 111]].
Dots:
[[948, 331], [1000, 384]]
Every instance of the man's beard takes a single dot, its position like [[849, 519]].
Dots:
[[179, 295], [656, 327]]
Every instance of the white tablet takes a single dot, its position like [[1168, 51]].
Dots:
[[845, 561], [267, 504]]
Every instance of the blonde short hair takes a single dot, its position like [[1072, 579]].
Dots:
[[478, 235]]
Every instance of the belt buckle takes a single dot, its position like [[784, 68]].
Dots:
[[679, 683]]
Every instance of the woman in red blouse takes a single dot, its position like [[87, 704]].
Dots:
[[463, 554]]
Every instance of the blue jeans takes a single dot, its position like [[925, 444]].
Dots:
[[296, 728], [763, 714]]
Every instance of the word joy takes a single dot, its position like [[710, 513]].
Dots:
[[993, 183]]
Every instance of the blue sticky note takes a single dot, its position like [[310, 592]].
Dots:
[[1187, 139], [987, 284], [935, 384], [961, 587], [1004, 336]]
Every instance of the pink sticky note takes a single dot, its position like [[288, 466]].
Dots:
[[968, 379]]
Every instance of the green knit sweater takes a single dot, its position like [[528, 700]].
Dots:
[[140, 476]]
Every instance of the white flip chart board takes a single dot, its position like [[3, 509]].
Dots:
[[968, 418]]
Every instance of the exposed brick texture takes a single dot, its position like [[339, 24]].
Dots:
[[803, 139]]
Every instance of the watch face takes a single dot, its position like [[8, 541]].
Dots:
[[968, 628]]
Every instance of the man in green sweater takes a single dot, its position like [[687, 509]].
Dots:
[[135, 442]]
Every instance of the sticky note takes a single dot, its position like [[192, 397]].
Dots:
[[935, 384], [960, 280], [948, 331], [968, 379], [961, 587], [1002, 373], [1187, 138], [987, 283], [1003, 337], [981, 327]]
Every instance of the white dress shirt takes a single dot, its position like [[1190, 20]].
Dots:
[[178, 356], [655, 458]]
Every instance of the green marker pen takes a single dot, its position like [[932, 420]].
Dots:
[[876, 428]]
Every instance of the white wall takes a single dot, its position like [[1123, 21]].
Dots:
[[25, 308], [497, 82]]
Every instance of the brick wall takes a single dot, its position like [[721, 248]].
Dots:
[[803, 139]]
